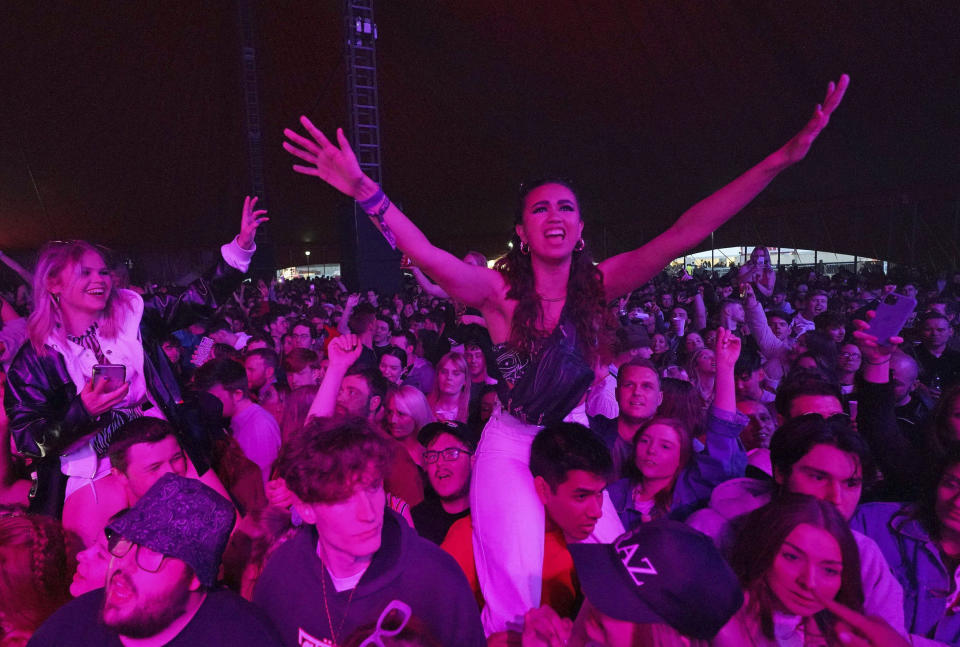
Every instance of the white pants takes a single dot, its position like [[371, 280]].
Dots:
[[508, 523]]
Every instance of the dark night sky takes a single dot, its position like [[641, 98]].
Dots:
[[127, 118]]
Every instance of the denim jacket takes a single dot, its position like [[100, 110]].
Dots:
[[916, 562], [723, 459]]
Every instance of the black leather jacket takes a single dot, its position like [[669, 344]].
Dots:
[[45, 410]]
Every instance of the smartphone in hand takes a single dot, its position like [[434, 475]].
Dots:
[[891, 315], [202, 353], [114, 374]]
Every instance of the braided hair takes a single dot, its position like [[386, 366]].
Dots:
[[35, 569]]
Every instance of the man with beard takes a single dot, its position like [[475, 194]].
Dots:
[[161, 580], [449, 460]]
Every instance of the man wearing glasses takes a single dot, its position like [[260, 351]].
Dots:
[[161, 580], [449, 460]]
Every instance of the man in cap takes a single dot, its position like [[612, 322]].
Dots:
[[661, 578], [449, 461], [161, 581]]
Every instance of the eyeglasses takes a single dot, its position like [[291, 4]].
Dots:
[[849, 355], [146, 558], [391, 622], [449, 454], [841, 418]]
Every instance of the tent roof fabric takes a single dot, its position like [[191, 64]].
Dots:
[[124, 122]]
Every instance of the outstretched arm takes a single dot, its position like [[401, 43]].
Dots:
[[628, 271], [24, 274], [353, 299], [426, 284], [338, 167]]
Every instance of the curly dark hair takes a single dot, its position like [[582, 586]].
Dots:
[[324, 462], [586, 301]]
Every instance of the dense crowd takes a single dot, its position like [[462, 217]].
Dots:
[[549, 452]]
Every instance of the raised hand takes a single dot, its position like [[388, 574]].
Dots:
[[249, 221], [344, 350], [338, 167], [873, 351], [727, 350], [748, 295], [798, 147]]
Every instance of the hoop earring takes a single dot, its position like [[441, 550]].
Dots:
[[579, 246], [524, 248]]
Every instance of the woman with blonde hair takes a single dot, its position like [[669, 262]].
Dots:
[[450, 397], [60, 415], [407, 412]]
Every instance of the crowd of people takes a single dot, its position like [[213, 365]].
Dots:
[[546, 452]]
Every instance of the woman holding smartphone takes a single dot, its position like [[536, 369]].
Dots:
[[60, 416], [546, 309]]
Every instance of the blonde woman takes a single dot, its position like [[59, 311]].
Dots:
[[450, 397]]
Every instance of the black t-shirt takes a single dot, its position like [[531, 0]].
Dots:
[[432, 521], [223, 620], [368, 359]]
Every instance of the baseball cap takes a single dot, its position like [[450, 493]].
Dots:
[[661, 572], [462, 431]]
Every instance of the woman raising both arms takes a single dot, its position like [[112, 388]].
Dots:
[[545, 305]]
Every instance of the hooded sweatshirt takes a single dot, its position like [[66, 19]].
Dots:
[[406, 567]]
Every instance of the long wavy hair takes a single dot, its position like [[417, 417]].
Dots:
[[58, 257], [663, 500], [760, 540], [586, 303]]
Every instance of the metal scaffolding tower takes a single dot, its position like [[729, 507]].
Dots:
[[362, 103], [263, 260], [368, 261]]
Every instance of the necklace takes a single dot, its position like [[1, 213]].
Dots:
[[326, 607], [553, 300]]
